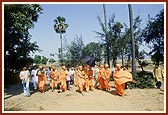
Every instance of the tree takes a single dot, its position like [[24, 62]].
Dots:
[[44, 60], [93, 50], [40, 59], [113, 34], [75, 51], [126, 39], [153, 34], [132, 38], [60, 27], [37, 59], [18, 19], [116, 41]]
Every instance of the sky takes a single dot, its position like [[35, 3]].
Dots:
[[82, 20]]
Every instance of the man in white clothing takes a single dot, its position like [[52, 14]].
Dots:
[[34, 77], [24, 76], [72, 72]]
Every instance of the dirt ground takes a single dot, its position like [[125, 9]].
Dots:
[[137, 100]]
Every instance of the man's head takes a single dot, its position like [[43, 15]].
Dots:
[[118, 66], [24, 68], [80, 68], [106, 66], [41, 67], [101, 66], [63, 67]]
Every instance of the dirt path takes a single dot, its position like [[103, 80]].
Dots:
[[72, 101]]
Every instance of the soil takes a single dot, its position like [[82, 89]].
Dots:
[[136, 100]]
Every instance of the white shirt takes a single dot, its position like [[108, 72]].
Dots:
[[68, 78], [25, 74], [33, 73], [72, 72]]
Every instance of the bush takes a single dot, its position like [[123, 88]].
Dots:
[[143, 80]]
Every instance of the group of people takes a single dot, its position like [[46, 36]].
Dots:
[[82, 77]]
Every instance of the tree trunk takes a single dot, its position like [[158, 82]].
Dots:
[[122, 56], [132, 38], [61, 48], [107, 46]]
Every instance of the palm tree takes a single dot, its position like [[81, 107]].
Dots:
[[132, 38], [60, 27]]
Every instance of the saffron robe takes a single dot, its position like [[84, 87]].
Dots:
[[90, 79], [107, 73], [54, 77], [101, 77], [76, 81], [62, 79], [120, 78], [82, 81], [41, 80]]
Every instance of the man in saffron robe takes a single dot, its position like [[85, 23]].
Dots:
[[107, 73], [86, 72], [120, 78], [54, 77], [76, 81], [82, 80], [90, 78], [101, 77], [62, 79], [41, 79]]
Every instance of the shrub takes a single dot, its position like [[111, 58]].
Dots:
[[143, 80]]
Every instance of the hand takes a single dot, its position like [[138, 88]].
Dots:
[[22, 78], [133, 81]]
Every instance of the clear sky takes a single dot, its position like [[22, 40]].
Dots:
[[82, 20]]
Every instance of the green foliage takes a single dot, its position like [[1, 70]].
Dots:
[[119, 42], [126, 36], [52, 60], [44, 60], [18, 19], [140, 57], [75, 51], [94, 50], [40, 59], [153, 34], [37, 59], [110, 37], [60, 25], [143, 80]]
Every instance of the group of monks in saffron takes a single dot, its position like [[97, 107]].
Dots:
[[83, 78]]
